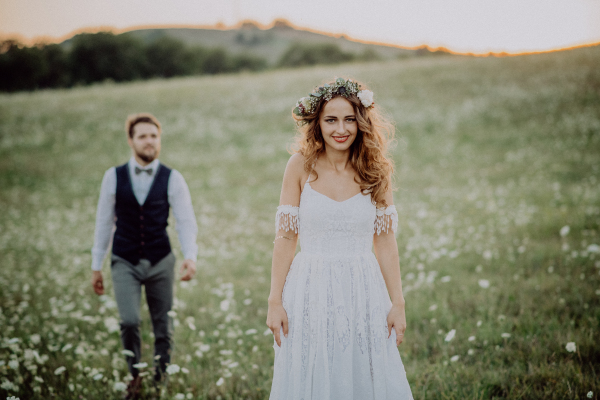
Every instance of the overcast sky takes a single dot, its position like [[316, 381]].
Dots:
[[460, 25]]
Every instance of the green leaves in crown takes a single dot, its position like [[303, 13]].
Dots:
[[341, 87]]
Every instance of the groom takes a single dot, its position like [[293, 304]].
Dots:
[[135, 197]]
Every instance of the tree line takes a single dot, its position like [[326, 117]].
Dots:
[[104, 56], [97, 57]]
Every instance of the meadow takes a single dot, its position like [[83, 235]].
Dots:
[[498, 193]]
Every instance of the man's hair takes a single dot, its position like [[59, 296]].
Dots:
[[135, 119]]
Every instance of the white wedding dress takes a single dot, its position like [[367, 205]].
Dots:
[[337, 305]]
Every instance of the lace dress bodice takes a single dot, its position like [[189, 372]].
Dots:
[[332, 228]]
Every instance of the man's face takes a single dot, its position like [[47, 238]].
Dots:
[[145, 142]]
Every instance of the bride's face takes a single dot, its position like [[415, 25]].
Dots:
[[338, 124]]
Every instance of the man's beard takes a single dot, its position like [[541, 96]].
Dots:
[[148, 157]]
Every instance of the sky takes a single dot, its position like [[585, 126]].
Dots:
[[477, 26]]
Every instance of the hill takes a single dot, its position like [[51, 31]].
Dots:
[[270, 43]]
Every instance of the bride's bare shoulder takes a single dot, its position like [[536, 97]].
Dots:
[[295, 167]]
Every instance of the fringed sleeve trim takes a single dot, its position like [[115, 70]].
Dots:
[[386, 218], [287, 219]]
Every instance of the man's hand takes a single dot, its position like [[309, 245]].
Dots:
[[98, 282], [188, 269]]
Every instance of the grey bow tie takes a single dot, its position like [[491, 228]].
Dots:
[[139, 170]]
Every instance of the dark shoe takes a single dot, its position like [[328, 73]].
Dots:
[[134, 389]]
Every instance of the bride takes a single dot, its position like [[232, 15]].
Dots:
[[336, 309]]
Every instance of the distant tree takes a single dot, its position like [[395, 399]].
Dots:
[[167, 57], [100, 56], [20, 67], [58, 71], [300, 54], [248, 62], [216, 61]]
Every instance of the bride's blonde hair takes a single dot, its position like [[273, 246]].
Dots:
[[368, 154]]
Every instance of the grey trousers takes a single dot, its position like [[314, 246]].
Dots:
[[158, 281]]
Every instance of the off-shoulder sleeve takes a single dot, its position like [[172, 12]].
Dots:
[[386, 218], [287, 219]]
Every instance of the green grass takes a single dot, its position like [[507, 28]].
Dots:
[[494, 156]]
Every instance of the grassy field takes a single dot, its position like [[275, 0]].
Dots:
[[498, 169]]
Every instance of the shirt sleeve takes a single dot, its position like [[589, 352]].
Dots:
[[105, 218], [186, 226]]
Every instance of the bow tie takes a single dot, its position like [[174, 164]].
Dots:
[[139, 170]]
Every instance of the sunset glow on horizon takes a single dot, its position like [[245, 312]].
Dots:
[[467, 26]]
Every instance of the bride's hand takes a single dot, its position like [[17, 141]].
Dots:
[[397, 319], [276, 318]]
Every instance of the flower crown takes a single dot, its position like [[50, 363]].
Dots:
[[307, 105]]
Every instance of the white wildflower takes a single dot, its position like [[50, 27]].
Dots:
[[593, 248], [571, 348], [119, 387], [172, 313], [433, 307], [13, 364], [224, 305], [505, 335], [59, 370], [251, 332], [140, 365], [471, 338], [590, 394], [450, 335], [247, 302], [220, 381], [112, 324], [484, 283], [446, 279], [471, 352], [454, 358], [97, 377], [128, 353], [35, 338], [180, 396], [173, 369], [204, 347], [564, 231]]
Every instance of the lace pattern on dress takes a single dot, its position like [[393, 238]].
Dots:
[[287, 219], [386, 218]]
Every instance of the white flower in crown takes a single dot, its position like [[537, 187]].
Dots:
[[366, 98], [305, 105]]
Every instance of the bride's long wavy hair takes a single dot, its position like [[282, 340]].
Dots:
[[368, 154]]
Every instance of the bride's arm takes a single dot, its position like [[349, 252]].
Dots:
[[285, 242], [386, 251]]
